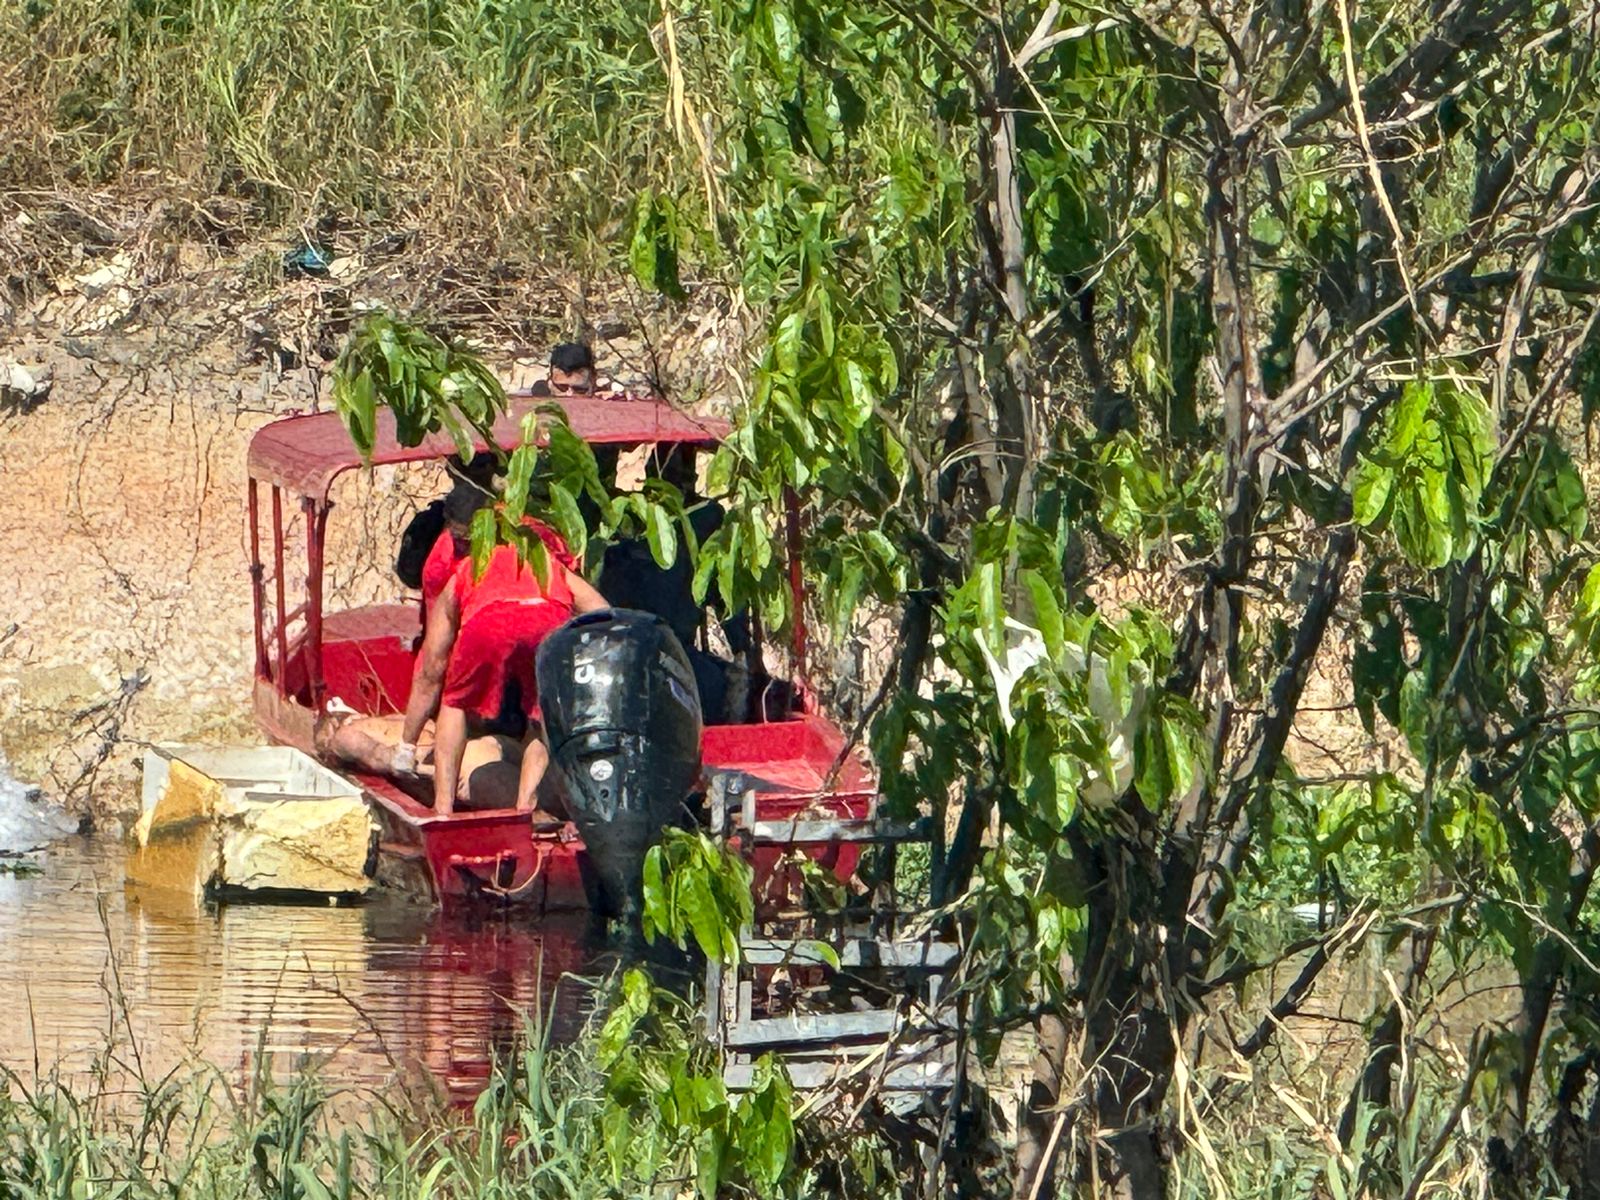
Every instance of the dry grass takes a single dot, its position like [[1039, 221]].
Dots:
[[511, 128]]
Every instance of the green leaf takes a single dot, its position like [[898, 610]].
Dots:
[[847, 594], [825, 322], [856, 393], [787, 340], [656, 918], [1046, 610], [705, 568], [710, 1148], [991, 608], [1406, 418], [619, 1025], [568, 519], [519, 475], [727, 566], [660, 534], [362, 419], [1416, 707], [1180, 756], [700, 912], [766, 1126], [719, 472], [484, 527], [1369, 492], [653, 249], [825, 952]]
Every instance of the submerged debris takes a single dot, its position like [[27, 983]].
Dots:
[[27, 821]]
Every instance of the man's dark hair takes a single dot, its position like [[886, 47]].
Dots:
[[675, 465], [464, 500], [572, 356], [481, 470]]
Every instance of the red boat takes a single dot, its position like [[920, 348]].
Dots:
[[793, 763]]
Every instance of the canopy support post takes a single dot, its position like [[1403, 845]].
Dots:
[[282, 672], [316, 527], [258, 598]]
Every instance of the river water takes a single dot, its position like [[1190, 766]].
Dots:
[[372, 995]]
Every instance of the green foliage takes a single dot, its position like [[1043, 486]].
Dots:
[[426, 383], [429, 385], [1424, 478], [1129, 492], [636, 1107], [520, 125], [662, 1082], [1214, 340], [653, 253], [695, 886]]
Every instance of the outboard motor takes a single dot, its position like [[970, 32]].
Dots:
[[622, 720]]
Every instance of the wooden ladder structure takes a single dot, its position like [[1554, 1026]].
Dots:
[[903, 1048]]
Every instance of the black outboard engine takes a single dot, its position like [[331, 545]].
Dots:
[[622, 720]]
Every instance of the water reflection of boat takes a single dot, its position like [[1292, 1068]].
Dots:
[[369, 994], [372, 994]]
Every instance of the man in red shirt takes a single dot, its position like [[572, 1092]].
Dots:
[[454, 544], [482, 635]]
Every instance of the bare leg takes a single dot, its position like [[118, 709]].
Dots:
[[450, 743], [535, 758], [363, 742]]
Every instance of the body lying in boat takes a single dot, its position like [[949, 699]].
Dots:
[[477, 659]]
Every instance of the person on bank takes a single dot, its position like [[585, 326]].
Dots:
[[571, 372], [483, 637]]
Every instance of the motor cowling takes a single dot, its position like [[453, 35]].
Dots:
[[622, 721]]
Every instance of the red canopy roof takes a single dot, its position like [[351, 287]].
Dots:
[[304, 455]]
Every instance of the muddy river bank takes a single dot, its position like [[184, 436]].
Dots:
[[99, 977]]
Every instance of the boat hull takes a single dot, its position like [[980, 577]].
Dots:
[[461, 855]]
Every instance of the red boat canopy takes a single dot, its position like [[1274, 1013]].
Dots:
[[304, 455]]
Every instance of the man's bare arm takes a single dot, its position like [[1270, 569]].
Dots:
[[433, 660], [584, 596]]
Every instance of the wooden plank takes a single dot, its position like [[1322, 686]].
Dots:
[[808, 1076], [813, 1027], [839, 829], [853, 953], [713, 1014]]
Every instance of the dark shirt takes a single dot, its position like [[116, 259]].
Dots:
[[416, 543], [630, 578]]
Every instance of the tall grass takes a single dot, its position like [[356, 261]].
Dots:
[[527, 122], [535, 1132]]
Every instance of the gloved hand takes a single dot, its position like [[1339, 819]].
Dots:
[[404, 758]]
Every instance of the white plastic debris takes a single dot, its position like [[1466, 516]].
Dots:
[[1025, 647], [23, 386], [94, 301], [27, 822]]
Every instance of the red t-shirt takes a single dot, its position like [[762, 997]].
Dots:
[[508, 579], [444, 559], [440, 565]]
